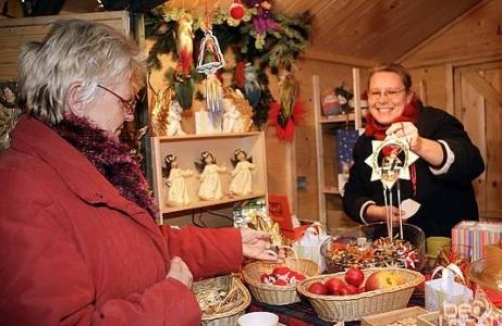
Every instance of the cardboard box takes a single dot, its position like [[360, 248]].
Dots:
[[392, 317], [278, 209], [428, 319]]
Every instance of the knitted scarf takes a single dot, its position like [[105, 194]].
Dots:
[[410, 114], [111, 158]]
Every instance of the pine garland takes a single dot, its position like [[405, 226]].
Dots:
[[276, 47]]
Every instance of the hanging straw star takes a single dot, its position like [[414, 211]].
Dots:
[[396, 159]]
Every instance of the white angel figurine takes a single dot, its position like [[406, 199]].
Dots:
[[174, 119], [242, 179], [177, 192], [210, 187], [232, 117]]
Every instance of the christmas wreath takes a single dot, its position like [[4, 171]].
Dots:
[[258, 37]]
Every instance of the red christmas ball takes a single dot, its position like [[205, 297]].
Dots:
[[236, 10]]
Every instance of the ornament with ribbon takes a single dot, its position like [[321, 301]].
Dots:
[[236, 10], [390, 161], [160, 111], [209, 61], [263, 20], [184, 85], [289, 111]]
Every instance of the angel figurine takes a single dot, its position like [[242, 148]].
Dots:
[[174, 119], [231, 117], [210, 187], [177, 192], [238, 115], [242, 180]]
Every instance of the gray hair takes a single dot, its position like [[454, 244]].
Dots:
[[74, 51]]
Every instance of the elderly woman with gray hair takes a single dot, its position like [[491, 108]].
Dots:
[[78, 238]]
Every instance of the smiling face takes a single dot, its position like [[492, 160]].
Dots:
[[387, 97]]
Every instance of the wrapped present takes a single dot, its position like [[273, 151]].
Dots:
[[474, 236]]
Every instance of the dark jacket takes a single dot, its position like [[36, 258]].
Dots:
[[445, 199], [73, 251]]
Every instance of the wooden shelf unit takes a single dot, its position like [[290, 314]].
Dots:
[[330, 187], [188, 149]]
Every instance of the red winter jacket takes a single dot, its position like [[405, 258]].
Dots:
[[73, 251]]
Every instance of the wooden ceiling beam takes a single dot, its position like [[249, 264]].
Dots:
[[336, 58]]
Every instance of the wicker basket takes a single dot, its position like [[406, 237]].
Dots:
[[334, 308], [229, 313], [277, 295]]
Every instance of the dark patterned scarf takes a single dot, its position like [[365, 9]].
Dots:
[[111, 158]]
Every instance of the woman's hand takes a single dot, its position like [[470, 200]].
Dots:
[[406, 131], [180, 271], [375, 213], [256, 244], [428, 149]]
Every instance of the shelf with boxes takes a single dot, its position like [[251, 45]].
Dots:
[[188, 149], [328, 129]]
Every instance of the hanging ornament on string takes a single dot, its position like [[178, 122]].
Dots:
[[289, 111], [184, 85], [210, 60], [236, 10], [390, 161]]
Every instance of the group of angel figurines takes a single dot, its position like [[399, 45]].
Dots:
[[235, 116], [209, 174]]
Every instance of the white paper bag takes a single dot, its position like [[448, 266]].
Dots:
[[445, 289], [309, 245]]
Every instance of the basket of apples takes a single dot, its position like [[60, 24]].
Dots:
[[355, 293], [274, 283]]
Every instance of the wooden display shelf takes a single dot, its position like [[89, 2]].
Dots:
[[340, 118], [393, 317], [354, 119], [330, 190], [193, 137], [188, 148], [207, 203]]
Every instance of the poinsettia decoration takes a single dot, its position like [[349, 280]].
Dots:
[[255, 34]]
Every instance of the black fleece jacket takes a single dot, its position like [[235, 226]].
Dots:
[[445, 199]]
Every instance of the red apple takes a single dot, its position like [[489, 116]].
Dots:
[[351, 289], [354, 276], [280, 282], [334, 285], [383, 280], [318, 288], [281, 271]]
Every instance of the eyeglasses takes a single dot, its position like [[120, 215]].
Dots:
[[391, 93], [128, 105]]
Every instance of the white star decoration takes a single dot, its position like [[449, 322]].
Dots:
[[377, 146]]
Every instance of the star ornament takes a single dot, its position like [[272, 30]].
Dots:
[[392, 156]]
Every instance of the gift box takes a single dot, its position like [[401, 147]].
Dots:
[[404, 316], [473, 236], [279, 212]]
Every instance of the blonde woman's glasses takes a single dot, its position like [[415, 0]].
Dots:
[[390, 93], [128, 105]]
